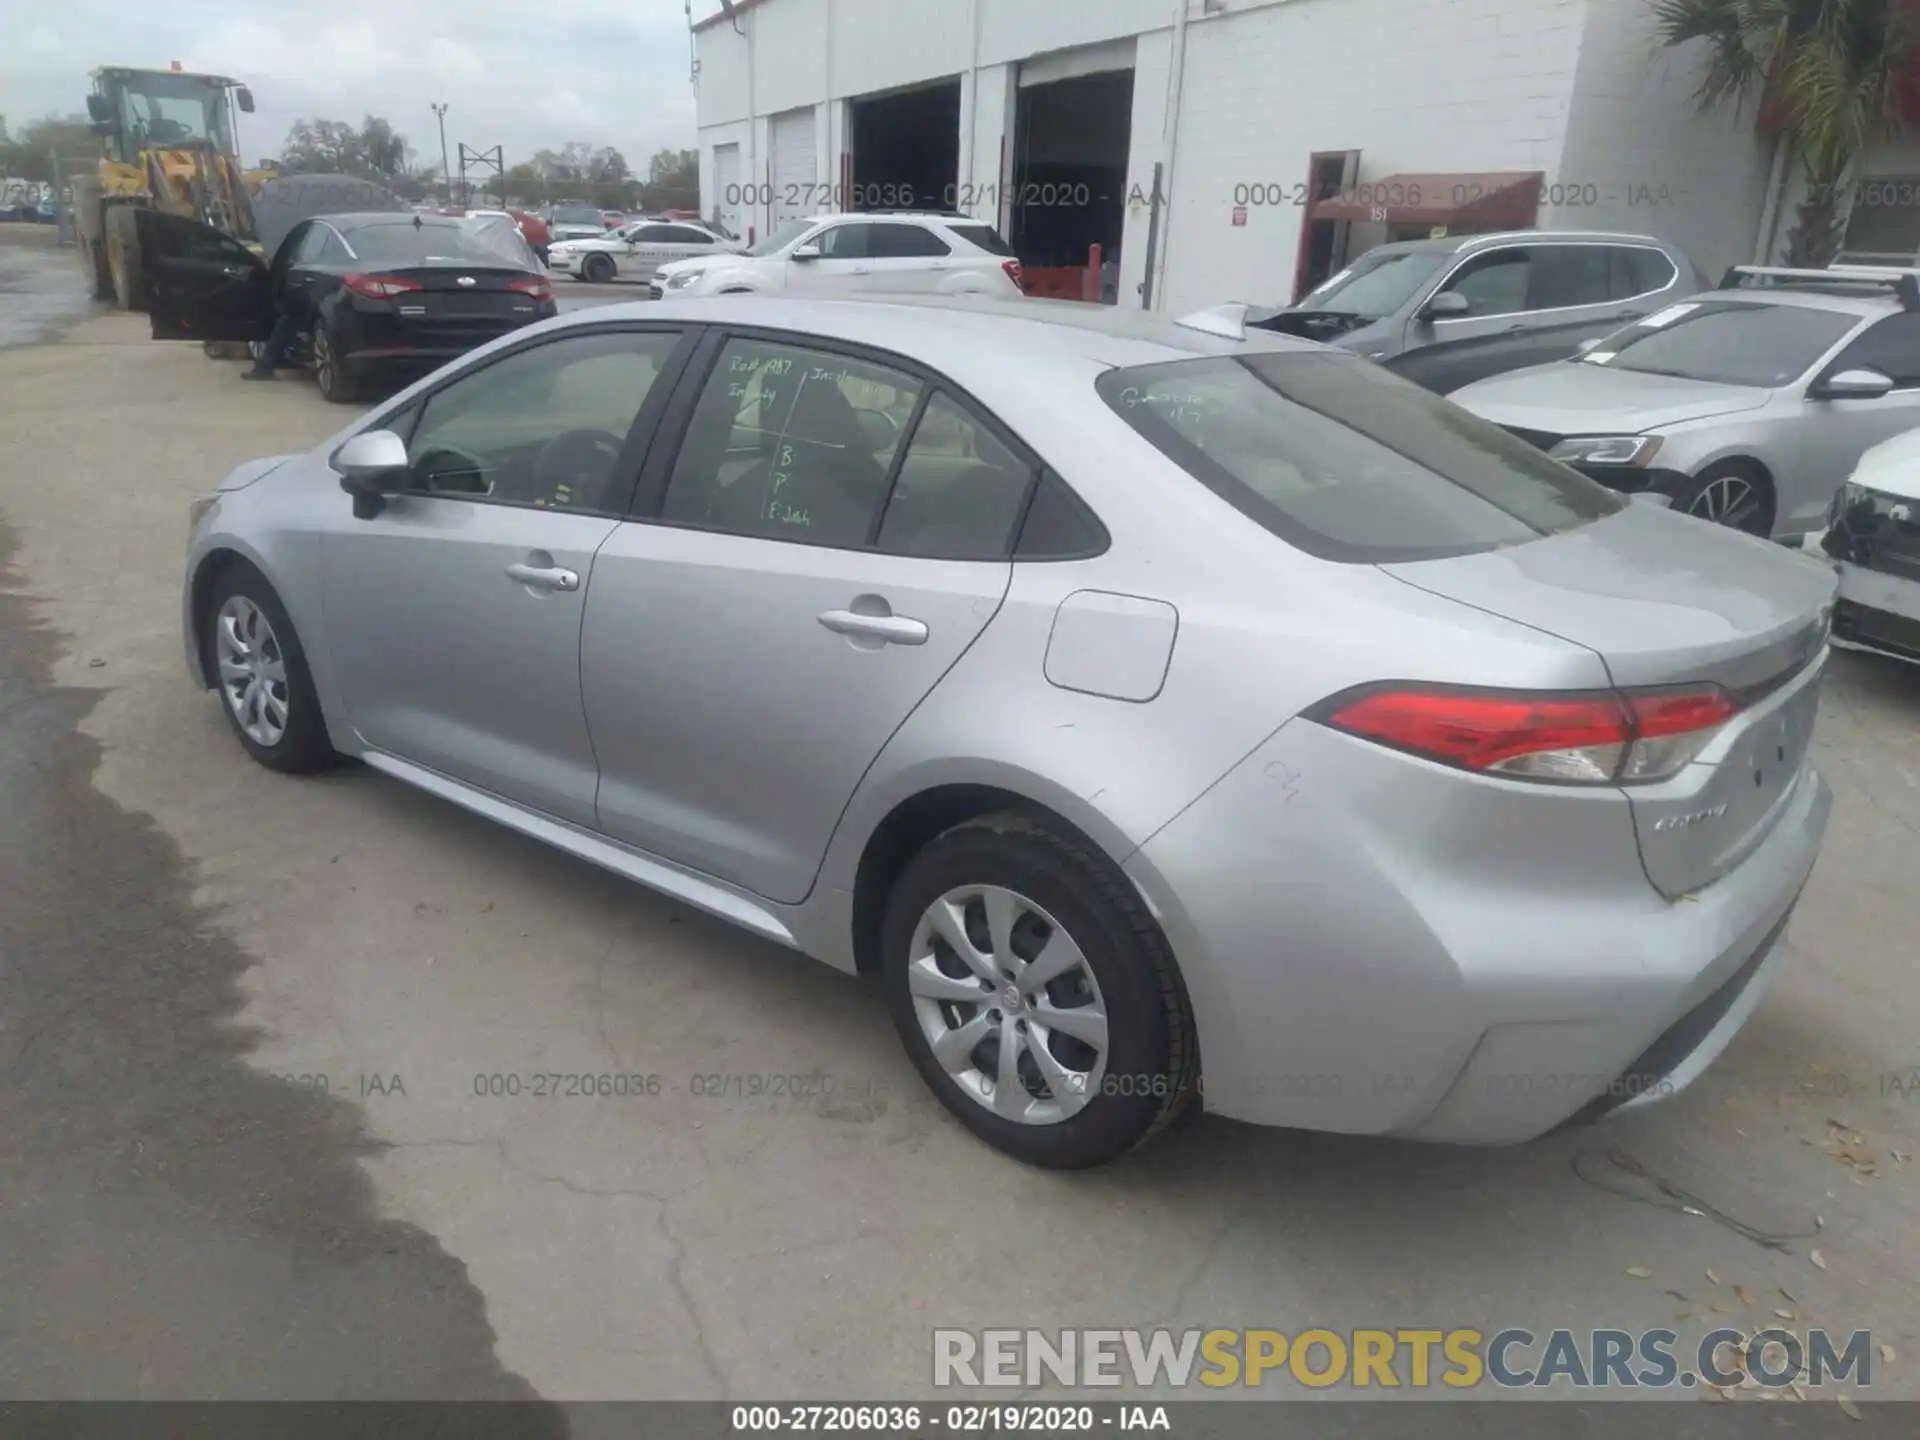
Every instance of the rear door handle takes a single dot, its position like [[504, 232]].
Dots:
[[551, 577], [896, 629]]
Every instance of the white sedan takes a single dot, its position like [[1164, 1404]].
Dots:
[[636, 251]]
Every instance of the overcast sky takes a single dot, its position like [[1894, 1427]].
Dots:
[[524, 76]]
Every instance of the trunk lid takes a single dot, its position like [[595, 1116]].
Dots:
[[452, 294], [1665, 599]]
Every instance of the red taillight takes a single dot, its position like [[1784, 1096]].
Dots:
[[1593, 739], [380, 287], [534, 285], [1012, 267]]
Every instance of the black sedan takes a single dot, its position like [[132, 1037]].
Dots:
[[379, 296]]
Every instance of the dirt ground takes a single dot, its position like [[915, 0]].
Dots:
[[678, 1246]]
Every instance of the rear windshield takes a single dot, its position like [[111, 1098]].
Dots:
[[985, 236], [1348, 462], [479, 241]]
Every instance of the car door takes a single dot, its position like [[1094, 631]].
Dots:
[[749, 647], [453, 617], [1570, 298], [1444, 352], [201, 284], [647, 250], [1827, 437], [907, 258], [841, 267], [302, 286]]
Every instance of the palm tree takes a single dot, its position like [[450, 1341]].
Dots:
[[1830, 71]]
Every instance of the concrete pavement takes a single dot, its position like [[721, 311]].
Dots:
[[400, 955]]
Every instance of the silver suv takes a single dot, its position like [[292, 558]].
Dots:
[[1446, 312], [1745, 405]]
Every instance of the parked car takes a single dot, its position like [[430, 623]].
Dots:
[[928, 252], [1872, 537], [1450, 311], [1156, 696], [1745, 405], [636, 251], [531, 227], [574, 222], [383, 295]]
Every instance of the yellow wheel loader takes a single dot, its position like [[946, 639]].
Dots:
[[168, 144]]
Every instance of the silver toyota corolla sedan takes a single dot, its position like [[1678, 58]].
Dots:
[[1140, 700]]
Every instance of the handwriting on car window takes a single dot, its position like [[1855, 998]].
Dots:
[[1177, 407]]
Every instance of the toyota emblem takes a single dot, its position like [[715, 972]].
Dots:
[[467, 280]]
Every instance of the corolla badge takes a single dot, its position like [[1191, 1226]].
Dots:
[[1691, 818]]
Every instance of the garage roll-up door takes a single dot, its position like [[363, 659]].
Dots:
[[796, 179], [726, 200]]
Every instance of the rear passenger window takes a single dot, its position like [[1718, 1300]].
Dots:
[[1059, 526], [1639, 270], [985, 236], [898, 242], [790, 443], [959, 491], [1565, 276]]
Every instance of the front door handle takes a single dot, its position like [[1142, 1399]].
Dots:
[[895, 629], [545, 577]]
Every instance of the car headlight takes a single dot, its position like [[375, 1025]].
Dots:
[[197, 509], [1606, 449], [683, 279]]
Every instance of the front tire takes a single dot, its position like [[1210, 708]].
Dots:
[[334, 382], [1732, 493], [596, 269], [1035, 994], [260, 671]]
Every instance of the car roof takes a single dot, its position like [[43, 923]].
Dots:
[[939, 217], [969, 327], [1853, 301], [1458, 244], [361, 219]]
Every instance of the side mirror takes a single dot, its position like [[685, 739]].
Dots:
[[98, 108], [1857, 384], [370, 466], [1447, 305], [805, 252], [245, 97]]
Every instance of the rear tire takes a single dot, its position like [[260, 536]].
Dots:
[[123, 258], [596, 269], [1086, 1094], [334, 382], [266, 690], [1733, 493]]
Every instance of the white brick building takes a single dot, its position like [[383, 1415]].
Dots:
[[1050, 117]]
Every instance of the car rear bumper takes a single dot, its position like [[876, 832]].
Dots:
[[1377, 945]]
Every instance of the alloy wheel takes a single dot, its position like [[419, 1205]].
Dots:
[[323, 362], [1728, 500], [253, 671], [1008, 1004]]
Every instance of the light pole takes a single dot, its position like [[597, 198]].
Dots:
[[446, 175]]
